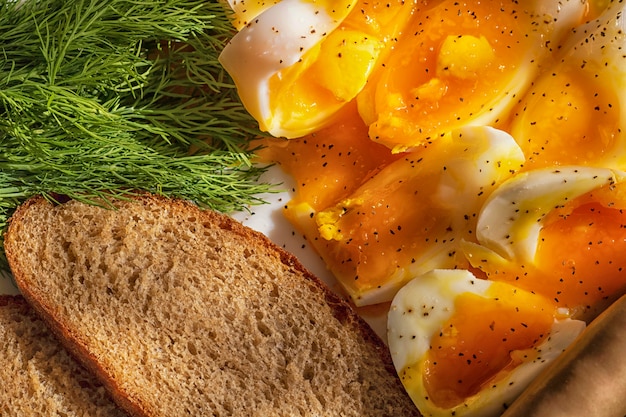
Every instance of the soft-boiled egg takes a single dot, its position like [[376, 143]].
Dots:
[[464, 346], [575, 112], [461, 63], [276, 39], [297, 62], [412, 215], [559, 232]]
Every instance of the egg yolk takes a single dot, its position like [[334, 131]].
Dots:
[[567, 118], [305, 95], [452, 63], [584, 254], [476, 345], [579, 260]]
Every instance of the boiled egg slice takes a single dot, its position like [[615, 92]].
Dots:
[[411, 216], [276, 39], [559, 232], [298, 62], [464, 346], [575, 112], [461, 63], [512, 217]]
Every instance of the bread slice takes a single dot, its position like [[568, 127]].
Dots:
[[181, 311], [39, 377]]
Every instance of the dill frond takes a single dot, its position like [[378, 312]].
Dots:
[[102, 98]]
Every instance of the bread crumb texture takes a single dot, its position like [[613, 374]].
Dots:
[[190, 313], [39, 377]]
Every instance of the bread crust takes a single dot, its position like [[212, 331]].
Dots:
[[74, 340]]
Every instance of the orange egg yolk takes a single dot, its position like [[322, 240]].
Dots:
[[335, 71], [451, 62], [327, 167], [475, 346], [375, 234], [567, 118], [584, 254]]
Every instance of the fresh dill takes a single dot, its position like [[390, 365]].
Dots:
[[106, 97]]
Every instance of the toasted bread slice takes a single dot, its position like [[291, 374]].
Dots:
[[39, 377], [181, 311]]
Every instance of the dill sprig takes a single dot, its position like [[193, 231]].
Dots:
[[102, 98]]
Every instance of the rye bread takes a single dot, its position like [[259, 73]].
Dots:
[[182, 311]]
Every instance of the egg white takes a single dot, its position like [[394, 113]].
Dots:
[[598, 47]]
